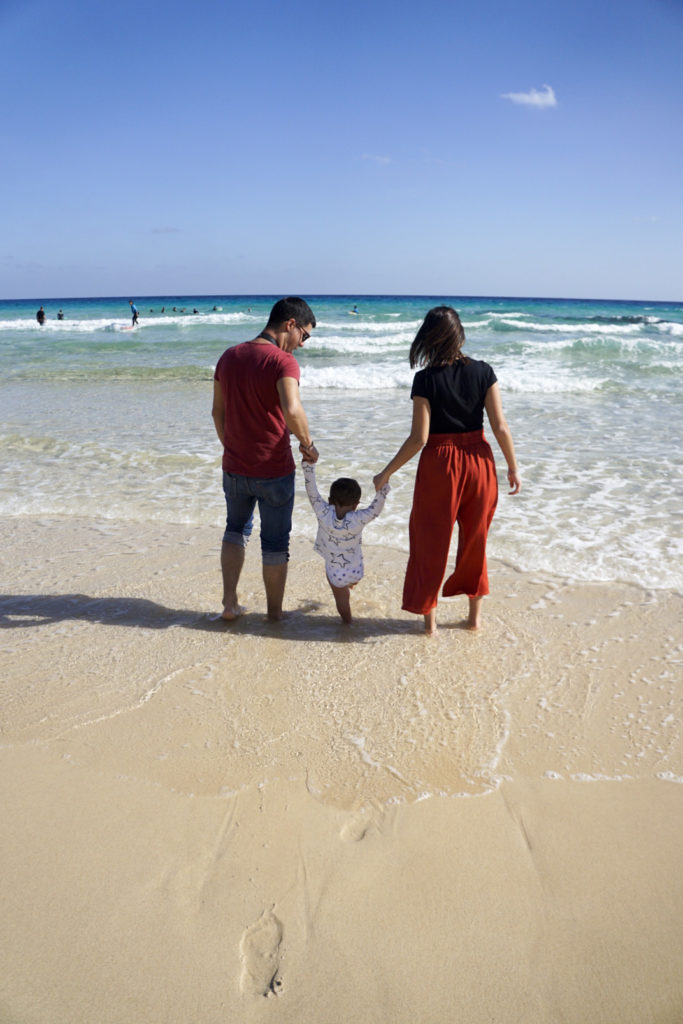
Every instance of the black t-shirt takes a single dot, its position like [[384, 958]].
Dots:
[[455, 394]]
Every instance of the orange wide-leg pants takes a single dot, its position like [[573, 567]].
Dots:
[[455, 482]]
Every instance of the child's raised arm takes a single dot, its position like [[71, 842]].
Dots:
[[366, 515], [318, 505]]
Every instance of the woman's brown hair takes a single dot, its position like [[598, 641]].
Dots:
[[439, 340]]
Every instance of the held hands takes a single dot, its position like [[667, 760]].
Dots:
[[515, 481], [380, 480], [309, 453]]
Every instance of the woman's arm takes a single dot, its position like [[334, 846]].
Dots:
[[414, 443], [494, 410]]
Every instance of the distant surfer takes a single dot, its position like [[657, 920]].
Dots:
[[354, 311], [40, 316], [60, 315], [134, 312]]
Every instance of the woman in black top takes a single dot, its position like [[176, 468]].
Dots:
[[456, 476]]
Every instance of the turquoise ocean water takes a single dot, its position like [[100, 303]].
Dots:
[[99, 420]]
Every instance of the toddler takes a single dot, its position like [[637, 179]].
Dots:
[[340, 524]]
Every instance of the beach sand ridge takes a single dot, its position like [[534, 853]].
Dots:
[[210, 817]]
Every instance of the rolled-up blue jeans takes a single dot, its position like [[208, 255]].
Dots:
[[275, 498]]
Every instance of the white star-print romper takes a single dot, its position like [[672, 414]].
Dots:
[[339, 540]]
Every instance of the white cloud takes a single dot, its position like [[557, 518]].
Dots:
[[533, 98], [376, 159]]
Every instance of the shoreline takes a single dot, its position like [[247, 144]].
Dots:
[[302, 540], [147, 594], [222, 822]]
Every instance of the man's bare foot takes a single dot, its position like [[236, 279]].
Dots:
[[227, 615], [278, 616], [232, 613]]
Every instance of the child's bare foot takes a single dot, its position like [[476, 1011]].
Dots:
[[342, 599], [345, 613]]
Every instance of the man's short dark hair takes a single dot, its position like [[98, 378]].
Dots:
[[345, 491], [292, 307]]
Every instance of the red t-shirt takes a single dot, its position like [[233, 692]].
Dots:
[[256, 438]]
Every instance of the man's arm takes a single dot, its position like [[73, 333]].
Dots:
[[218, 410], [295, 416]]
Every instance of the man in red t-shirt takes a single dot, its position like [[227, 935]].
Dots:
[[256, 405]]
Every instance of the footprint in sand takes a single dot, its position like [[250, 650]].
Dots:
[[260, 954], [359, 821]]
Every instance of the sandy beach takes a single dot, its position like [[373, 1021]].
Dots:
[[307, 822]]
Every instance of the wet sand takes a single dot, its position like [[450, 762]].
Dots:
[[313, 822]]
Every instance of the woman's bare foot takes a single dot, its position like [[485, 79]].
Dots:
[[474, 619], [430, 622]]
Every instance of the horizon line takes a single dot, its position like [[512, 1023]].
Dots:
[[351, 296]]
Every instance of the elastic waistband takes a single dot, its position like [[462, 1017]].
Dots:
[[464, 440]]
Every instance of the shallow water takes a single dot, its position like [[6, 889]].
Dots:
[[98, 420]]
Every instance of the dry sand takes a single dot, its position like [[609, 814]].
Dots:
[[307, 822]]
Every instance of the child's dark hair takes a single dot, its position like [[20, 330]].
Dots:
[[345, 491]]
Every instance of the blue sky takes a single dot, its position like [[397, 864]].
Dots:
[[527, 148]]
